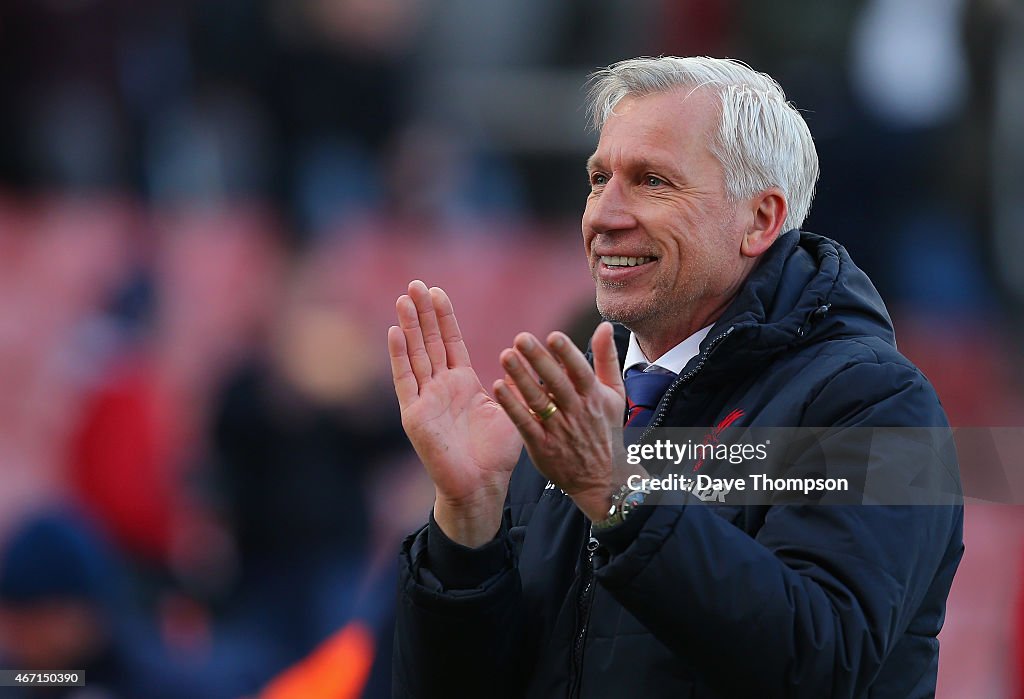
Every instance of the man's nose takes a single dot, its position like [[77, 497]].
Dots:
[[610, 209]]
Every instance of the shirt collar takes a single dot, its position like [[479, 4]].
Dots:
[[674, 360]]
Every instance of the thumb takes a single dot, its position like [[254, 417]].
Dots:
[[606, 358]]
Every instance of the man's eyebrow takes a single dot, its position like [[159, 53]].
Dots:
[[662, 166], [594, 162]]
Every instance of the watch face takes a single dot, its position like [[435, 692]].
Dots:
[[633, 499]]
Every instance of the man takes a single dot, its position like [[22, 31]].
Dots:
[[556, 575]]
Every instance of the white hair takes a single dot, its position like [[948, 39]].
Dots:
[[762, 140]]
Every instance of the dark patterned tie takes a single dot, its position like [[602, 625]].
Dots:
[[643, 391]]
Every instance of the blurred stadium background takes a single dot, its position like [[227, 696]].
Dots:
[[208, 207]]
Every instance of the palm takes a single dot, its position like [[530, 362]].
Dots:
[[466, 442], [464, 438]]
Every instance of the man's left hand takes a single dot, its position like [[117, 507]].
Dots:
[[571, 423]]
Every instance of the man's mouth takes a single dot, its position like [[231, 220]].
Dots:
[[623, 261]]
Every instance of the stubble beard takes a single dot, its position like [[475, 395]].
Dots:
[[652, 315], [628, 313]]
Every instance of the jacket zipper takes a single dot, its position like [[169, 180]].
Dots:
[[682, 380], [583, 606], [586, 596]]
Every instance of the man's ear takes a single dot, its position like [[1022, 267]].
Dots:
[[769, 210]]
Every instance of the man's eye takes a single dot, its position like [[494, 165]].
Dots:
[[598, 179], [652, 181]]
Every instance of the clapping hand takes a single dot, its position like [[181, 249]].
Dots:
[[571, 418], [466, 441]]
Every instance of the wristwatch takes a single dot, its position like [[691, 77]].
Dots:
[[624, 501]]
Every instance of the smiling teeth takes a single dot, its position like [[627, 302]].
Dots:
[[620, 261]]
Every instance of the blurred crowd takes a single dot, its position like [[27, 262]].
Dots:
[[208, 207]]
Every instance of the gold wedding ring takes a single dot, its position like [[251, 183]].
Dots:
[[548, 411]]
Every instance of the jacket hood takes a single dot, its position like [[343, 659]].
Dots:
[[805, 289]]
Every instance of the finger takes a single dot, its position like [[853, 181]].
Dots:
[[406, 387], [512, 387], [428, 325], [409, 321], [576, 366], [455, 346], [606, 358], [529, 426], [533, 394], [550, 371]]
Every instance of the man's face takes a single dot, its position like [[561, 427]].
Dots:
[[658, 197]]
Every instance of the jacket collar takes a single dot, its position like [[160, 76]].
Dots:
[[805, 288]]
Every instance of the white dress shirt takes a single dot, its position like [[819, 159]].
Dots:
[[674, 360]]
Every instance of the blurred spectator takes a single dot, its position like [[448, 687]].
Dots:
[[995, 32], [64, 116], [299, 435], [338, 94], [139, 437], [64, 605], [61, 259]]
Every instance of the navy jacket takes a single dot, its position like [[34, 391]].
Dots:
[[687, 600]]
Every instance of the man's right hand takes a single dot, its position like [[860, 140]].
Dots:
[[465, 440]]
